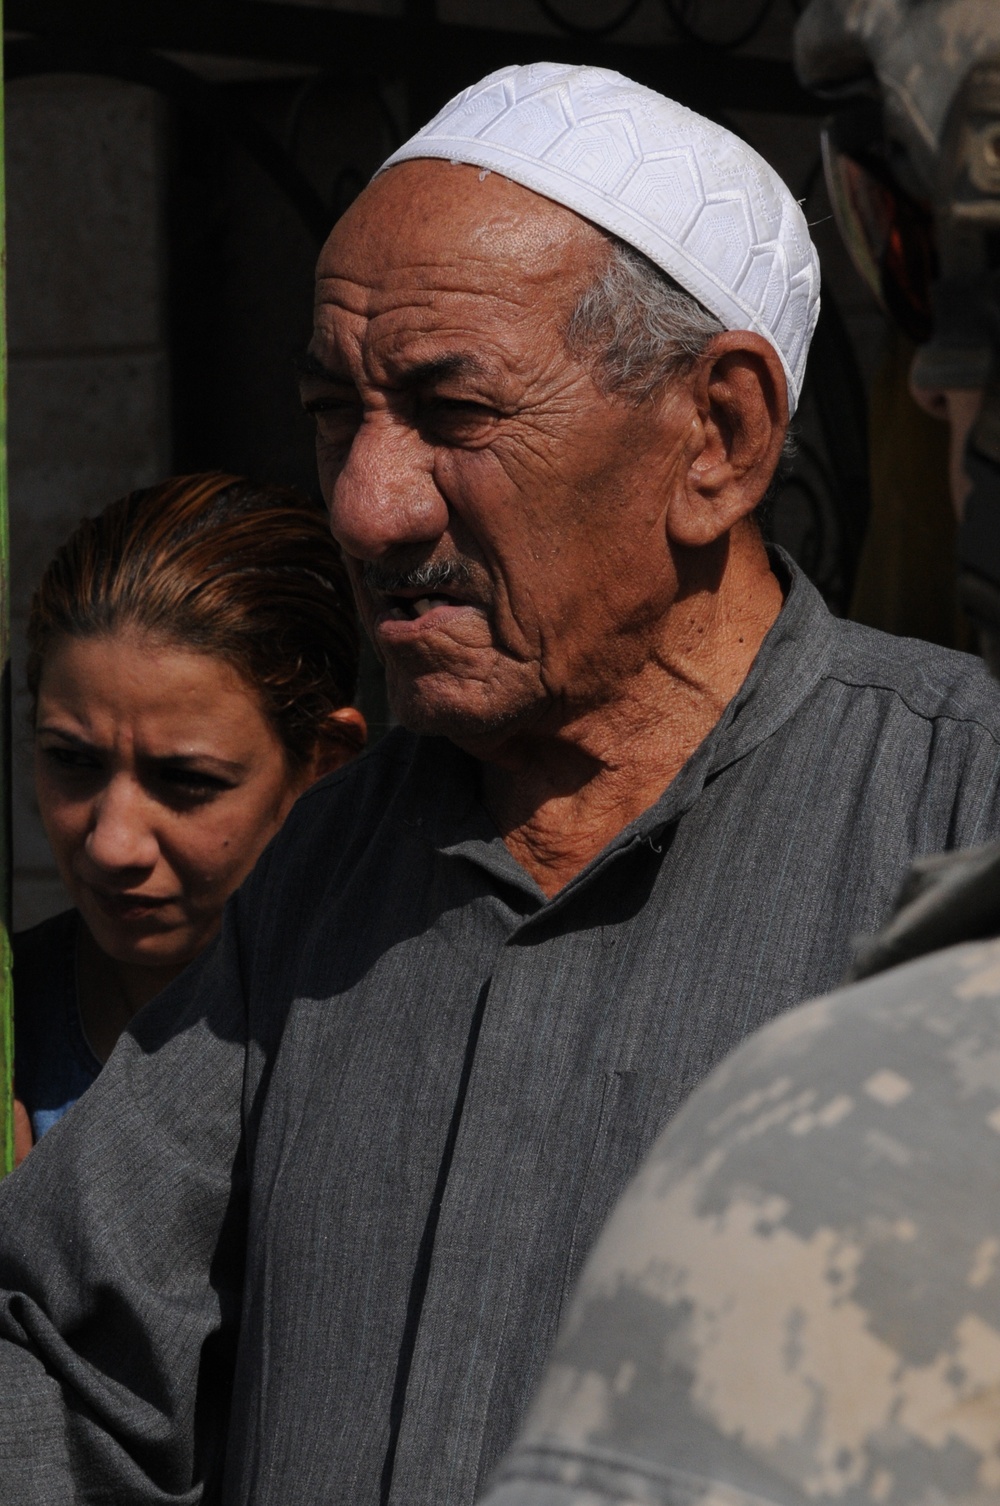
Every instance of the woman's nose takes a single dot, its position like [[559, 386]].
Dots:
[[121, 833]]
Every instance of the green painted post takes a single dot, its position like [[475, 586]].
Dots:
[[6, 864]]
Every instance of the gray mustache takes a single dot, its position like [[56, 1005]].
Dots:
[[431, 576]]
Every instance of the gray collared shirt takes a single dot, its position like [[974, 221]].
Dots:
[[309, 1235]]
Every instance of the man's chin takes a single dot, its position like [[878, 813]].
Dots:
[[468, 715]]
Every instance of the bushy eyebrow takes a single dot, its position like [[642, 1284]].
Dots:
[[456, 364]]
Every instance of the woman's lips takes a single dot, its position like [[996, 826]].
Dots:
[[128, 906]]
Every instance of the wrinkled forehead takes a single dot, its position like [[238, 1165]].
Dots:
[[444, 228]]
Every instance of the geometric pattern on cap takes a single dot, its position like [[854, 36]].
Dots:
[[690, 195]]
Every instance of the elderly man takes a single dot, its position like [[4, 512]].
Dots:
[[308, 1237]]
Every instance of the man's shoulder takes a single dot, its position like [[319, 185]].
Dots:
[[376, 771], [338, 818], [931, 682]]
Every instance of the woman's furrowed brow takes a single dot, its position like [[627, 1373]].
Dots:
[[53, 729]]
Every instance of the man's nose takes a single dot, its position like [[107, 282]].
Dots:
[[121, 834], [385, 496]]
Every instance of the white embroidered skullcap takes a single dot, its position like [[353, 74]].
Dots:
[[693, 197]]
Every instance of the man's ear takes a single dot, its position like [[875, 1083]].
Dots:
[[344, 735], [739, 420]]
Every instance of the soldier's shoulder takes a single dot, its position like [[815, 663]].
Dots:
[[822, 1216]]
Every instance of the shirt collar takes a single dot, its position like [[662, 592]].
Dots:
[[791, 661]]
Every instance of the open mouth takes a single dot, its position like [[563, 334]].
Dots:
[[409, 595], [408, 609]]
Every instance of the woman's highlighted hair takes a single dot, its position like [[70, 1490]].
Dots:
[[245, 572]]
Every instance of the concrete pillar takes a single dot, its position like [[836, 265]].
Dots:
[[89, 395]]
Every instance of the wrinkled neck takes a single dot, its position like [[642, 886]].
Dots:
[[559, 792]]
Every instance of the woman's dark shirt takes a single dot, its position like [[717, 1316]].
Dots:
[[53, 1063]]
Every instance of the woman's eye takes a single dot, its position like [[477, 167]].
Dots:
[[192, 782], [70, 759]]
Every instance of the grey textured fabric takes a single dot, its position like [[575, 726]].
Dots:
[[947, 898], [309, 1235], [797, 1300]]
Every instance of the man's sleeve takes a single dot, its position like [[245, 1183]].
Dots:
[[121, 1263]]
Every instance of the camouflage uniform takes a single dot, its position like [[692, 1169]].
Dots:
[[798, 1298]]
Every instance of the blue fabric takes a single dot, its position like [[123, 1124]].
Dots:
[[53, 1064]]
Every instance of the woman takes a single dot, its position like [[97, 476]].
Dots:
[[192, 655]]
